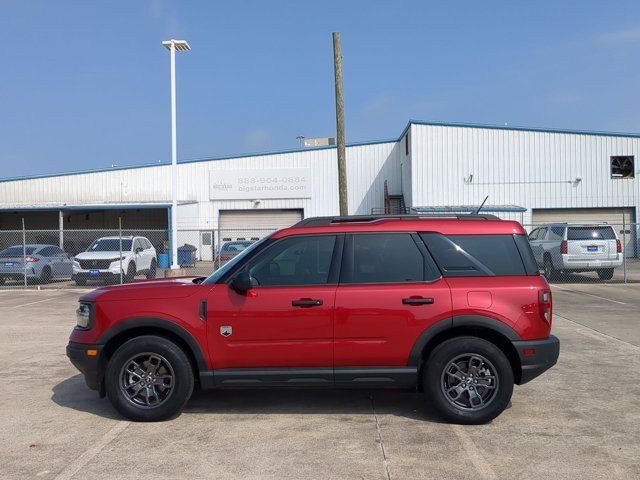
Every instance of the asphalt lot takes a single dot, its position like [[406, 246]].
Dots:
[[579, 420]]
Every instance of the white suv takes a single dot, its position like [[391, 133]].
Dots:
[[107, 257], [566, 247]]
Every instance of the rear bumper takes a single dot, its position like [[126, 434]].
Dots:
[[536, 356], [581, 263], [88, 365]]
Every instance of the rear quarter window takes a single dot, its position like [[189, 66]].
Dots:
[[479, 255], [590, 233]]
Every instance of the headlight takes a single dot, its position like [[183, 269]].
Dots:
[[84, 316]]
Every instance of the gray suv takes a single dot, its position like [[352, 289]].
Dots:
[[567, 247]]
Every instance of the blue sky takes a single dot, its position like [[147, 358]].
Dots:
[[86, 84]]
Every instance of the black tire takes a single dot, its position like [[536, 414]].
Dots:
[[1, 281], [153, 270], [45, 276], [116, 379], [444, 359], [605, 273], [549, 270], [131, 273], [81, 281]]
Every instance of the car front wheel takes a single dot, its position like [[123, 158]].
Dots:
[[153, 269], [469, 380], [149, 379]]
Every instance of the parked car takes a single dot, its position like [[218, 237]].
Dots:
[[43, 263], [566, 247], [455, 307], [231, 249], [102, 260]]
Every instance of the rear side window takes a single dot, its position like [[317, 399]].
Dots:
[[557, 233], [475, 255], [590, 233], [386, 258]]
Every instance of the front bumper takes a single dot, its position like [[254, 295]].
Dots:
[[536, 356], [88, 365]]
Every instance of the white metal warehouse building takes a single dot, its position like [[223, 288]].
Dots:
[[528, 174]]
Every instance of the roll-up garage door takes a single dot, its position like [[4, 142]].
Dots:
[[255, 224], [613, 216]]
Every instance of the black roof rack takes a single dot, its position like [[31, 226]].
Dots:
[[326, 221]]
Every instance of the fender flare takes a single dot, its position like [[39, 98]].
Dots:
[[454, 322], [141, 322]]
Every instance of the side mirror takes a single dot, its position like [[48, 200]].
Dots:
[[139, 249], [243, 282]]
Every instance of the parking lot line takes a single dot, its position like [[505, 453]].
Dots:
[[75, 466], [589, 295], [33, 303], [482, 467]]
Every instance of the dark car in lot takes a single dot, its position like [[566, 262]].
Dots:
[[454, 307], [39, 263]]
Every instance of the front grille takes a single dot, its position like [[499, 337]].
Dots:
[[95, 264]]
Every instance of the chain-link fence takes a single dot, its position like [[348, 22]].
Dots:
[[566, 253], [587, 252], [88, 258]]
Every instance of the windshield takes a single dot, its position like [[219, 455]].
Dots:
[[219, 273], [235, 246], [13, 252], [110, 245]]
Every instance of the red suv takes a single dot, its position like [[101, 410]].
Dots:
[[454, 307]]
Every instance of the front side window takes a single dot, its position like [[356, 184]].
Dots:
[[384, 258], [304, 260], [475, 255]]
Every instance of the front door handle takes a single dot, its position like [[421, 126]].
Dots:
[[417, 301], [306, 302]]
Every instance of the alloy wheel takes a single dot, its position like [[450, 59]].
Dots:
[[147, 380], [469, 382]]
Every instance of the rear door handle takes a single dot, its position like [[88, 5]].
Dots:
[[417, 301], [306, 303]]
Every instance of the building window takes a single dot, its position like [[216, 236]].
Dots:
[[622, 166], [406, 144]]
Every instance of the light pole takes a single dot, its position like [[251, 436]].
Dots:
[[181, 46]]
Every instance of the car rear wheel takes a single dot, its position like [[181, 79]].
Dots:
[[45, 276], [149, 379], [468, 380], [153, 269], [549, 270], [605, 273]]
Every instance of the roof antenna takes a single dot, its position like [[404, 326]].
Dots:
[[481, 205]]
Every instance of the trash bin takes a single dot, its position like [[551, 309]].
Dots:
[[163, 260], [187, 255]]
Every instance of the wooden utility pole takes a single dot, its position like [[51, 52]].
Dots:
[[342, 166]]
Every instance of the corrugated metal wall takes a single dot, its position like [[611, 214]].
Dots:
[[368, 166], [527, 168]]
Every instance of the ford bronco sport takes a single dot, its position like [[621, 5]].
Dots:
[[455, 307]]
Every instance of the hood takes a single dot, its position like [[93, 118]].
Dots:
[[179, 287], [100, 255]]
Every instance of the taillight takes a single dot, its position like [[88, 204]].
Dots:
[[544, 304], [563, 246], [618, 246], [31, 259]]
